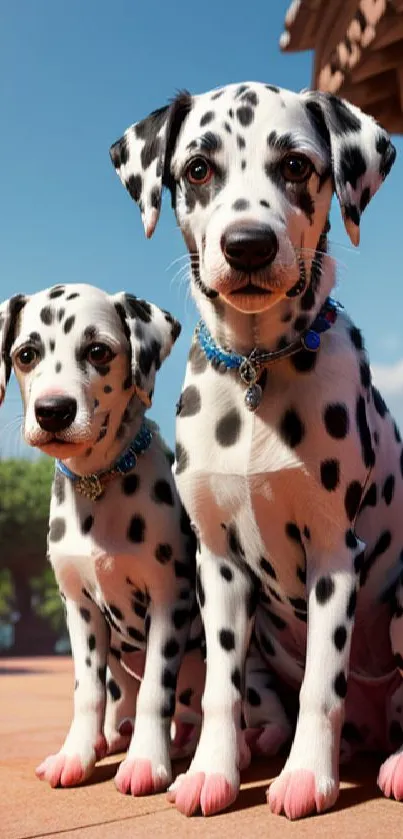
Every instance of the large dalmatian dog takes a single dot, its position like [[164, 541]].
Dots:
[[298, 502], [119, 539]]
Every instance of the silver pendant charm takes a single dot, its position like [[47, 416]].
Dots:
[[253, 397], [90, 486]]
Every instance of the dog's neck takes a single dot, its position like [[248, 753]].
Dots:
[[276, 327], [116, 429]]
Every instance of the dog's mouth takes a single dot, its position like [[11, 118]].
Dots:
[[250, 288]]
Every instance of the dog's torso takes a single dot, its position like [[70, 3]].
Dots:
[[282, 487]]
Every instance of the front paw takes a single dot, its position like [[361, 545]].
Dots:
[[300, 792], [201, 791], [138, 776], [72, 767]]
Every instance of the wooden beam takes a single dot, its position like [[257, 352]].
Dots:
[[331, 31], [374, 90], [389, 30], [379, 62]]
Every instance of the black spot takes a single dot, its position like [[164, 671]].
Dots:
[[340, 685], [324, 589], [303, 361], [88, 661], [365, 374], [47, 315], [352, 499], [139, 609], [352, 603], [226, 573], [291, 428], [206, 118], [87, 524], [356, 338], [200, 594], [136, 529], [114, 690], [241, 204], [56, 291], [336, 420], [163, 553], [226, 638], [330, 474], [68, 324], [85, 614], [236, 678], [352, 165], [245, 115], [228, 428], [57, 529], [267, 567], [130, 484], [116, 612], [52, 345], [190, 402], [102, 674], [134, 633], [185, 697], [351, 539], [370, 497], [171, 648], [168, 679], [181, 458], [293, 532], [340, 637], [397, 433], [278, 622], [91, 642], [179, 617], [378, 402], [253, 697], [162, 493], [388, 489]]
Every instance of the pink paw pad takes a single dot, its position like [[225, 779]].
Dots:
[[61, 770], [210, 794], [390, 778], [135, 776], [265, 741], [294, 794]]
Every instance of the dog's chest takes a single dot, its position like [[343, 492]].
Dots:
[[122, 550]]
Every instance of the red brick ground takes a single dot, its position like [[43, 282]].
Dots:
[[35, 704]]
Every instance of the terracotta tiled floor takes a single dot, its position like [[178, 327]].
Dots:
[[35, 703]]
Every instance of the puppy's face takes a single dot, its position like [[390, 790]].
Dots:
[[252, 192], [82, 358], [71, 358], [251, 169]]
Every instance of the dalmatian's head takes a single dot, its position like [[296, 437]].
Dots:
[[251, 169], [85, 362]]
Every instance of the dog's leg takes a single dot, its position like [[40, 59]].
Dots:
[[390, 778], [121, 695], [212, 781], [147, 767], [267, 725], [85, 742], [310, 778]]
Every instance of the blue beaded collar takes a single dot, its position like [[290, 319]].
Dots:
[[92, 486], [249, 366]]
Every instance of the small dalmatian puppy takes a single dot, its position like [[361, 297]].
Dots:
[[287, 460], [119, 539]]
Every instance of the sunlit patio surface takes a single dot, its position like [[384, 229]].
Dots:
[[35, 707]]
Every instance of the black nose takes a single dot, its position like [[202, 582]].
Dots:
[[249, 248], [55, 413]]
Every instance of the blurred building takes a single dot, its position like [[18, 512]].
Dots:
[[358, 51]]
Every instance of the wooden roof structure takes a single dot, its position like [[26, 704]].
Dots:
[[358, 46]]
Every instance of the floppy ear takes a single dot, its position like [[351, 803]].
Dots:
[[361, 153], [9, 311], [141, 157], [151, 333]]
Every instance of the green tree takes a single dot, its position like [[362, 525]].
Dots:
[[27, 587]]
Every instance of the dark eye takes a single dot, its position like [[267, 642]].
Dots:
[[27, 357], [199, 171], [296, 168], [99, 354]]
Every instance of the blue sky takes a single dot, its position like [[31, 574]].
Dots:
[[74, 76]]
